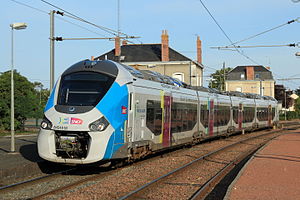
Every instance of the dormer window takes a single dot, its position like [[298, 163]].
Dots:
[[179, 76]]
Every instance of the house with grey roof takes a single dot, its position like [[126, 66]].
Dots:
[[160, 58], [251, 79]]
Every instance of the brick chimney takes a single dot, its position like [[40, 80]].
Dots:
[[250, 72], [117, 46], [124, 42], [92, 58], [164, 46], [199, 50]]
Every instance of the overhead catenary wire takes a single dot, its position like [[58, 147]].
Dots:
[[258, 46], [58, 17], [71, 15], [266, 31], [222, 30], [287, 79]]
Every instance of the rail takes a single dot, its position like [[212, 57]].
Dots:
[[135, 194]]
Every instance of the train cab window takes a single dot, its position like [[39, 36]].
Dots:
[[83, 88]]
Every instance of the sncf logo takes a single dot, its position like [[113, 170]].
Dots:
[[76, 121], [124, 110], [68, 120]]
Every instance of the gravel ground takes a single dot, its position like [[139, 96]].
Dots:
[[131, 177], [113, 184]]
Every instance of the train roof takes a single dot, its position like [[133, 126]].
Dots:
[[157, 77], [110, 68], [105, 66]]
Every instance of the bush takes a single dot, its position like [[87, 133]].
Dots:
[[289, 115], [29, 101]]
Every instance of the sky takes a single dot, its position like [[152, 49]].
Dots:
[[183, 19]]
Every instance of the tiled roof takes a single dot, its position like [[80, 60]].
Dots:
[[142, 53], [262, 72]]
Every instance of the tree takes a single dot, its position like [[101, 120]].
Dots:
[[27, 100], [297, 105], [297, 91], [218, 79]]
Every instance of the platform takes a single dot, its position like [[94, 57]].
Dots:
[[24, 162], [272, 173]]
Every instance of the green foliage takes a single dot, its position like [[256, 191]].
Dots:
[[29, 101], [297, 106], [218, 79], [289, 115], [292, 114], [297, 91]]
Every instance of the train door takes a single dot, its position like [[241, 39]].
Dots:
[[216, 116], [269, 115], [137, 115], [129, 123], [166, 102], [240, 116], [204, 110]]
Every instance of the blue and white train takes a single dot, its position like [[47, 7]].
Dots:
[[104, 111]]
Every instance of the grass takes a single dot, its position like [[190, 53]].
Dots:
[[18, 132]]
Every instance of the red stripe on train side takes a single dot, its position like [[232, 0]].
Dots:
[[211, 118]]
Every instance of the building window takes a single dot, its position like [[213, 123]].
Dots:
[[242, 76], [257, 76], [179, 76]]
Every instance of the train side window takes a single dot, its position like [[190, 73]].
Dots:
[[216, 116], [154, 116], [179, 120], [204, 115], [173, 118], [184, 120], [158, 118], [150, 115], [235, 112]]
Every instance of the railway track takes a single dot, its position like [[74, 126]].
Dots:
[[196, 179], [214, 166], [40, 187], [34, 180]]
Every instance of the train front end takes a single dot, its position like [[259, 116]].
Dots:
[[86, 114]]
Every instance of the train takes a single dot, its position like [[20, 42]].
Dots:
[[103, 111]]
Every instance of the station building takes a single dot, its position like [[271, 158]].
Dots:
[[160, 58], [251, 79]]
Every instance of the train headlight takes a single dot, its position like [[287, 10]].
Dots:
[[99, 125], [46, 124]]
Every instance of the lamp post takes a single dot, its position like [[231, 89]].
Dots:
[[285, 104], [16, 26]]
